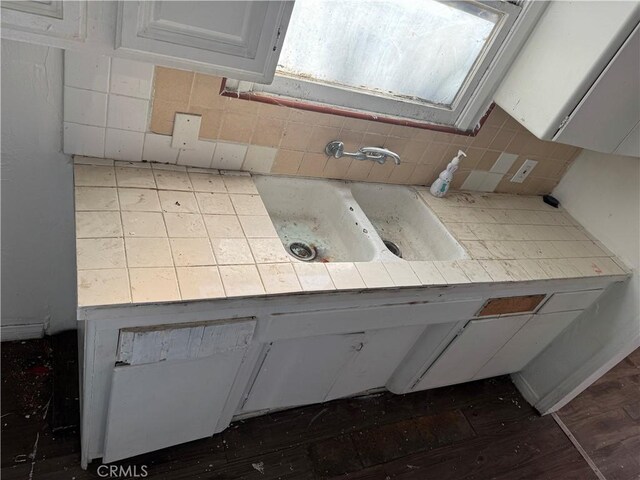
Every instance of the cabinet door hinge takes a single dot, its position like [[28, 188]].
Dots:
[[275, 47]]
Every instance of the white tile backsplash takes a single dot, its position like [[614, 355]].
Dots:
[[157, 148], [124, 145], [200, 156], [259, 159], [126, 113], [504, 162], [482, 181], [83, 140], [106, 113], [85, 70], [473, 181], [101, 116], [85, 107], [229, 156], [131, 78]]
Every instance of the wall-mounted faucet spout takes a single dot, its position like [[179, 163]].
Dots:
[[377, 154]]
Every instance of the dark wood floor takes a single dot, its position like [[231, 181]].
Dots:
[[480, 430], [605, 419]]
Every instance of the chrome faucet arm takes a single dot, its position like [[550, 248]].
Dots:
[[374, 152], [377, 154]]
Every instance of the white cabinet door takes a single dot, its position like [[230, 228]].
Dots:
[[39, 22], [468, 352], [528, 342], [175, 385], [158, 405], [630, 146], [382, 353], [563, 57], [610, 109], [242, 38], [301, 371]]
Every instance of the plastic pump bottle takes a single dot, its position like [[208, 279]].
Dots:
[[440, 187]]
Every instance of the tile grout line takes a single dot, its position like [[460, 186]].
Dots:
[[124, 240], [578, 447]]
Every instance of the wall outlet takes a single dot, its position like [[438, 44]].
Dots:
[[524, 171], [186, 129]]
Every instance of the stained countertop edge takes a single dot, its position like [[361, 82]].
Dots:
[[83, 309]]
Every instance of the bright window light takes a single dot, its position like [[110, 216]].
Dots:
[[420, 50]]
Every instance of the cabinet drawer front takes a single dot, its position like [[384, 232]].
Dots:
[[324, 322], [564, 302]]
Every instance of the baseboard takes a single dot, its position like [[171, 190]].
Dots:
[[525, 389], [580, 380], [9, 333]]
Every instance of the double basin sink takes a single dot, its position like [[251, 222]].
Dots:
[[338, 221]]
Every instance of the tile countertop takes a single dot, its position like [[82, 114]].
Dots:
[[154, 232]]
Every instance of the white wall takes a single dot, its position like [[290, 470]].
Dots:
[[38, 246], [602, 192]]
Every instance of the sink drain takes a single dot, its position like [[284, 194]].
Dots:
[[303, 252], [393, 248]]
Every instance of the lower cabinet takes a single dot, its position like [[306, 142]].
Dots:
[[300, 371], [315, 369], [494, 346], [470, 350], [175, 385], [383, 351], [526, 344]]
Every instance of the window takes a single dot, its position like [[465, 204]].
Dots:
[[418, 60]]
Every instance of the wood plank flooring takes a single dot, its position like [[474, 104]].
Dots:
[[605, 419], [479, 430]]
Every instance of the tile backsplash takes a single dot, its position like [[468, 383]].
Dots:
[[133, 106]]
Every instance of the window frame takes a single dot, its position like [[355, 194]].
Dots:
[[466, 112]]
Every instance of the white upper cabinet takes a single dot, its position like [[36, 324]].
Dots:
[[238, 39], [611, 108], [44, 22], [243, 38], [577, 80]]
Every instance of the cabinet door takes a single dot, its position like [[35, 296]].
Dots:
[[242, 39], [175, 386], [301, 371], [42, 22], [381, 354], [609, 111], [469, 351], [528, 342]]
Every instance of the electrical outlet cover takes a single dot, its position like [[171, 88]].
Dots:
[[524, 171], [186, 129]]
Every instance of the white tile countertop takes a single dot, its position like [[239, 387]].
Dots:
[[154, 232]]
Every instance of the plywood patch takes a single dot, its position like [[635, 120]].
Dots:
[[509, 305]]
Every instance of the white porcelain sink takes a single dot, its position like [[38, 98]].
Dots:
[[349, 222], [400, 216], [321, 214]]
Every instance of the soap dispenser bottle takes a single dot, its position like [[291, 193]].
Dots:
[[440, 187]]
